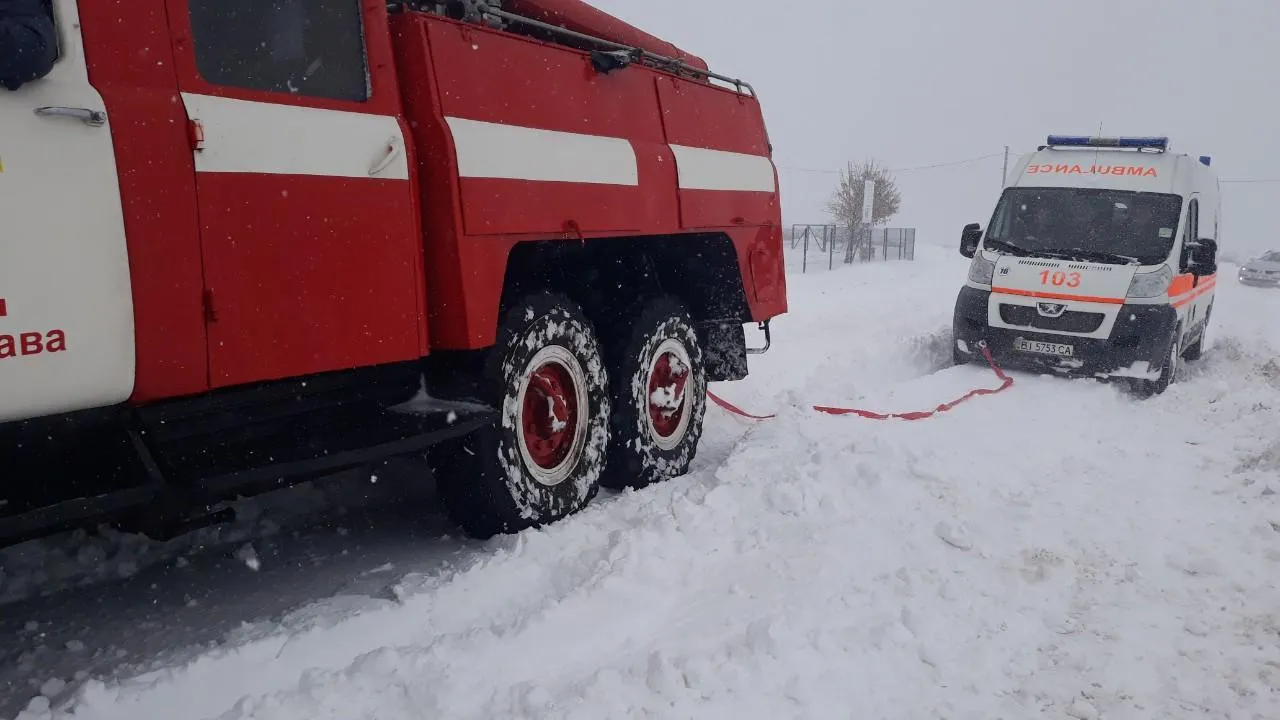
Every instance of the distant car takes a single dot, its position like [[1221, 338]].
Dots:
[[1262, 271]]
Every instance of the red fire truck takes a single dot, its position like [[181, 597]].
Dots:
[[246, 244]]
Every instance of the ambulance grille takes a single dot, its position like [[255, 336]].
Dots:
[[1070, 321]]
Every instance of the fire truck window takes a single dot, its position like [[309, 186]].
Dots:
[[300, 47]]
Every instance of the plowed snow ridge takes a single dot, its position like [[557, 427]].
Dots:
[[1059, 550]]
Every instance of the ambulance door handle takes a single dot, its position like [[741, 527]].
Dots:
[[92, 118]]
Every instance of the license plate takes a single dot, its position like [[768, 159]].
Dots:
[[1044, 348]]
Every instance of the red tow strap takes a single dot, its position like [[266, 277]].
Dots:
[[1005, 383]]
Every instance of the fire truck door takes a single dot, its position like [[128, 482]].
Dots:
[[66, 310], [310, 229]]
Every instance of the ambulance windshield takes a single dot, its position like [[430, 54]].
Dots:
[[1113, 226]]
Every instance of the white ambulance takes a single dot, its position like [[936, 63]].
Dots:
[[1099, 261]]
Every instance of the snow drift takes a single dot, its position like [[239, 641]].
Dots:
[[1059, 550]]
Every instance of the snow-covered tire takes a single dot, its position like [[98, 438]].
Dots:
[[1195, 350], [659, 396], [532, 468], [1168, 369]]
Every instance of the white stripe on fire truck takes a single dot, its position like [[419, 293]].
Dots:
[[702, 169], [512, 152], [242, 136]]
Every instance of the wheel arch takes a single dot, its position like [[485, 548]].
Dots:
[[609, 277]]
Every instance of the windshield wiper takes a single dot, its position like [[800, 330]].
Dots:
[[1006, 246], [1081, 254]]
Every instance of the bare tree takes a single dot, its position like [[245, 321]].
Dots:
[[846, 202]]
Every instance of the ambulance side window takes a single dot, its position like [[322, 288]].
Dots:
[[300, 47], [1193, 230], [1003, 217]]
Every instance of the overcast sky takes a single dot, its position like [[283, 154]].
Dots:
[[918, 82]]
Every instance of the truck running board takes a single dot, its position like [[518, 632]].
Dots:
[[294, 447]]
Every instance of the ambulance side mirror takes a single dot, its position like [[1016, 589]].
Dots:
[[1202, 256], [969, 239]]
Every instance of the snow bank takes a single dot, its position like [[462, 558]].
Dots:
[[1059, 550]]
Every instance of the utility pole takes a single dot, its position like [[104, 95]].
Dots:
[[1004, 172]]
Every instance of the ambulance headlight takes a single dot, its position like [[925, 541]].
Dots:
[[981, 270], [1151, 284]]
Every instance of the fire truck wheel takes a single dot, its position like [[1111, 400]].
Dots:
[[543, 459], [659, 396]]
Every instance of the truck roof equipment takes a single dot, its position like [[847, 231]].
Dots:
[[580, 17], [576, 24]]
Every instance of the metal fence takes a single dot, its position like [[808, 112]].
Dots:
[[846, 245]]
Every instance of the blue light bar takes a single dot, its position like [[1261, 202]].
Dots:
[[1153, 143]]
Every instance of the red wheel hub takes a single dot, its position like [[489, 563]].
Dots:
[[667, 383], [550, 415]]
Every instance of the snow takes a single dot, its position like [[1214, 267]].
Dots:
[[1059, 550], [76, 559]]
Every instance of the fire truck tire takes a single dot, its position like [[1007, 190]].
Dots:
[[543, 458], [659, 395]]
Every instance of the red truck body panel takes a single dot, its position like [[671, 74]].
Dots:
[[490, 212], [307, 271], [135, 74], [247, 268]]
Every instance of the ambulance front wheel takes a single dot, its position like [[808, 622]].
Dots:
[[1168, 368], [1195, 350]]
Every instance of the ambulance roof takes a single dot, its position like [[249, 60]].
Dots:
[[1137, 164]]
